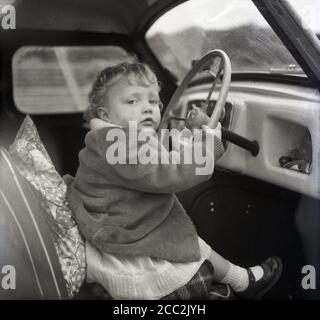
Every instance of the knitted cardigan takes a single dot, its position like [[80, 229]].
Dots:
[[131, 209]]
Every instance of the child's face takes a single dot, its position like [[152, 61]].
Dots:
[[130, 99]]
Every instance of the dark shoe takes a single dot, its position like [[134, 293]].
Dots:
[[272, 269]]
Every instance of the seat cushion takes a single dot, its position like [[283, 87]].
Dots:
[[34, 163]]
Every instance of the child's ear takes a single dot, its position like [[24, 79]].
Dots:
[[103, 114]]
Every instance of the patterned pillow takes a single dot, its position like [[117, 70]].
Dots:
[[34, 163]]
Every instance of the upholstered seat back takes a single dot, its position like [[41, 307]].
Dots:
[[25, 241]]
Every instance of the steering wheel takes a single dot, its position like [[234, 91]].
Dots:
[[204, 62], [198, 116]]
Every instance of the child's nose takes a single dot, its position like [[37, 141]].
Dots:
[[148, 107]]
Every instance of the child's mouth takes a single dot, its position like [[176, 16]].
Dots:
[[148, 122]]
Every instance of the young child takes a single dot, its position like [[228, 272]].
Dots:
[[141, 244]]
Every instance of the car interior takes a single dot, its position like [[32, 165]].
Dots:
[[263, 198]]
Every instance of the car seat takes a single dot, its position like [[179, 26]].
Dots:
[[25, 241]]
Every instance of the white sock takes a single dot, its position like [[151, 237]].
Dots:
[[238, 279], [257, 272]]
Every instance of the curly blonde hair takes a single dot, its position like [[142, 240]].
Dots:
[[130, 67]]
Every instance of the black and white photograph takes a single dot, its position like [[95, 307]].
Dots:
[[160, 150]]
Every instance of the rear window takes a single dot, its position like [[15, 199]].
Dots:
[[58, 79]]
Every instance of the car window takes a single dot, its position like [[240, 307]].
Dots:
[[58, 79], [188, 31]]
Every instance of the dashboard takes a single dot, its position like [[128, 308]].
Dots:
[[284, 119]]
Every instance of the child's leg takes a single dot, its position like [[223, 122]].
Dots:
[[220, 264], [227, 272], [240, 278]]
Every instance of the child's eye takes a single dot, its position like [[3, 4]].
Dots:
[[132, 101], [154, 102]]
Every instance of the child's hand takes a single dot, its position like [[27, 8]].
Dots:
[[179, 140], [216, 131], [197, 117]]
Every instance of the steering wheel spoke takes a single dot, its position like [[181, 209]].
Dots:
[[216, 77]]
